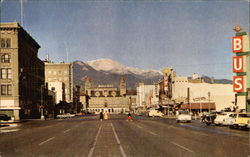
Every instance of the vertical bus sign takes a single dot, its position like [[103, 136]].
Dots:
[[238, 64], [237, 44], [238, 83]]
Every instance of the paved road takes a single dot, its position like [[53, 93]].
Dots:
[[116, 137]]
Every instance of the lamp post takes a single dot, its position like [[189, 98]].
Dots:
[[41, 107], [209, 101]]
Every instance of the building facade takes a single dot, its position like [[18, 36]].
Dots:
[[194, 91], [22, 73], [59, 77], [147, 95], [106, 98]]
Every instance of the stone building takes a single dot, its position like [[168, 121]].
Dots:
[[59, 77], [106, 98], [22, 73]]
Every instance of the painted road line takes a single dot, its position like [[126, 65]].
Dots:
[[118, 141], [182, 147], [152, 133], [146, 130], [139, 126], [46, 141], [94, 144], [66, 131], [244, 143]]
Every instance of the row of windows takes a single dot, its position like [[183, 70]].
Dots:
[[5, 58], [5, 43], [6, 73], [59, 79], [6, 90], [57, 72]]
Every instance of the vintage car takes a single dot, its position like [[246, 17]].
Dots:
[[220, 118], [184, 116], [240, 120], [66, 115], [155, 113], [4, 117]]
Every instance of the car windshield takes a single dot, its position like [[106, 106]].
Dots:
[[244, 115], [184, 112]]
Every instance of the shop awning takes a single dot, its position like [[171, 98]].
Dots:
[[204, 106]]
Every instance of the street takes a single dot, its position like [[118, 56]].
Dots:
[[87, 136]]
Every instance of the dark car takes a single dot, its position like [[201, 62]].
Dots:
[[4, 117]]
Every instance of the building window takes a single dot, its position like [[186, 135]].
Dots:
[[5, 43], [5, 58], [6, 73], [6, 90]]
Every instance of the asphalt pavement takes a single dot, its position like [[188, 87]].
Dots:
[[87, 136]]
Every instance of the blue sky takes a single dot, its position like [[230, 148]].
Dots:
[[191, 36]]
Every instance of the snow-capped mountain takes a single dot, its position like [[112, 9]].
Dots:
[[106, 71], [111, 66]]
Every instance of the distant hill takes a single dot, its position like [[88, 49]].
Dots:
[[219, 81], [106, 71]]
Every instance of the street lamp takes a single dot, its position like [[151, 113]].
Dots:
[[209, 101], [41, 107]]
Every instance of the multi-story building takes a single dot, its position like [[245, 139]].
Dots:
[[203, 96], [106, 98], [147, 95], [59, 77], [22, 73]]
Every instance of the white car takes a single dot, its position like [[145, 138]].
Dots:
[[184, 116], [220, 118], [155, 113], [67, 115]]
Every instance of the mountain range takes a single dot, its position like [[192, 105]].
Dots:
[[109, 72], [106, 71]]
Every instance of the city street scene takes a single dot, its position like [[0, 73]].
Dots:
[[111, 78]]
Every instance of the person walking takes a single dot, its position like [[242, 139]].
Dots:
[[129, 117], [106, 116], [101, 116]]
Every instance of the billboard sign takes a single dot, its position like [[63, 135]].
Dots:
[[237, 44], [238, 64], [238, 83]]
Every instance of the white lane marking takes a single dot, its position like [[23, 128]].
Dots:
[[46, 141], [139, 126], [9, 130], [146, 130], [95, 140], [244, 143], [118, 142], [182, 147], [152, 133], [66, 131]]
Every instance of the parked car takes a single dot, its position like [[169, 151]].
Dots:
[[184, 116], [66, 115], [155, 113], [240, 120], [220, 118], [208, 118], [229, 120], [4, 117]]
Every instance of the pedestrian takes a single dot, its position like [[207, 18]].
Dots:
[[101, 116], [129, 117], [106, 116]]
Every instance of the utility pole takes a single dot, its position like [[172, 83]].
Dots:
[[188, 97], [209, 101], [22, 16]]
